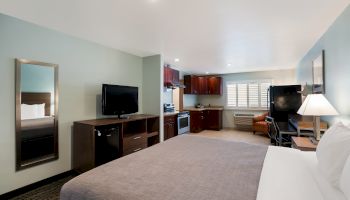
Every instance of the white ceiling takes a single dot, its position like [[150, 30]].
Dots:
[[206, 35]]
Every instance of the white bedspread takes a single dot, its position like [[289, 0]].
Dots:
[[290, 174]]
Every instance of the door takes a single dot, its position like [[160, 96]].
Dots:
[[215, 85], [197, 121], [191, 83], [175, 76], [213, 119], [203, 85], [167, 75]]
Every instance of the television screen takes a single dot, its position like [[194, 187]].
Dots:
[[119, 100], [288, 103]]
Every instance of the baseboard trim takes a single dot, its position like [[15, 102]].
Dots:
[[35, 185]]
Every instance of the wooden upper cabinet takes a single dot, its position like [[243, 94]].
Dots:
[[191, 83], [171, 76], [215, 85], [202, 85], [206, 85], [175, 76], [167, 75]]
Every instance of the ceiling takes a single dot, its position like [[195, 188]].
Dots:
[[214, 36]]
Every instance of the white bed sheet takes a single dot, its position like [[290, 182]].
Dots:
[[291, 174]]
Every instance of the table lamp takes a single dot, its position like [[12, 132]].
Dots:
[[316, 105]]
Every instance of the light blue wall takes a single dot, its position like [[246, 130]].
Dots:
[[35, 78], [153, 88], [83, 67], [336, 43]]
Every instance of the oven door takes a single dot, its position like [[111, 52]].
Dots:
[[183, 124]]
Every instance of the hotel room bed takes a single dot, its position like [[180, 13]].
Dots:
[[194, 167], [36, 128]]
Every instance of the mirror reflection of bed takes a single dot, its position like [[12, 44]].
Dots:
[[36, 113], [37, 126]]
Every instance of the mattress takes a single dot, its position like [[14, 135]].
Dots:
[[183, 167], [39, 123], [37, 128]]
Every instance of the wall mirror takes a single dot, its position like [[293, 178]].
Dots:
[[318, 74], [36, 113]]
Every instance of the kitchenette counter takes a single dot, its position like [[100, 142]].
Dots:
[[170, 113], [204, 108]]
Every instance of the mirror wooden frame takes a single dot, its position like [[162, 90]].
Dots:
[[19, 163]]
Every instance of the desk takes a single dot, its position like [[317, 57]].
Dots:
[[285, 128], [306, 128], [303, 144]]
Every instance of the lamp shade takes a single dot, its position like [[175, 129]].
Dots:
[[316, 105]]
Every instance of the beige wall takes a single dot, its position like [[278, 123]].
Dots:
[[279, 77], [83, 67]]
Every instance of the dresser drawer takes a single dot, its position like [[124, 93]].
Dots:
[[134, 149], [135, 141]]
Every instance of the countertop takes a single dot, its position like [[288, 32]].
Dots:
[[170, 113], [204, 108]]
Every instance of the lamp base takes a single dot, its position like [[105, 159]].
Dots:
[[317, 131], [313, 140]]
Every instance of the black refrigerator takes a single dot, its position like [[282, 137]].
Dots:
[[285, 101]]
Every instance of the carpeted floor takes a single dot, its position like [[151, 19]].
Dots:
[[236, 135], [52, 190], [47, 192]]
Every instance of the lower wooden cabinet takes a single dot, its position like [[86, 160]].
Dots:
[[213, 119], [197, 121], [170, 126], [205, 119]]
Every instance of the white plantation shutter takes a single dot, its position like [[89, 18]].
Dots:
[[249, 94], [253, 95], [242, 92], [231, 95], [264, 95]]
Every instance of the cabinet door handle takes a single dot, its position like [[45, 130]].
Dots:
[[109, 135], [138, 149], [138, 137]]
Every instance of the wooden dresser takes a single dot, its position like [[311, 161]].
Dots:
[[98, 141]]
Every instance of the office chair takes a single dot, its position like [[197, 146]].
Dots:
[[273, 130], [274, 133]]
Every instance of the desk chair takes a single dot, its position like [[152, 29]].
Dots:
[[273, 130], [280, 134]]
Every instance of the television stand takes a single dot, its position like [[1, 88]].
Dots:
[[123, 117], [137, 132]]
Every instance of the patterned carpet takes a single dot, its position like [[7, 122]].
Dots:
[[47, 192]]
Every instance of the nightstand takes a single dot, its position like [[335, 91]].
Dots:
[[303, 144]]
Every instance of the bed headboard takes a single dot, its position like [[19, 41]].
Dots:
[[31, 98]]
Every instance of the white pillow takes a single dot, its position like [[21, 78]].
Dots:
[[332, 152], [40, 110], [28, 111], [345, 179], [32, 111]]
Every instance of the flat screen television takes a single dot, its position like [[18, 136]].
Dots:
[[119, 100]]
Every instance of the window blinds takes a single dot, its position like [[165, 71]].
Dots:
[[250, 94]]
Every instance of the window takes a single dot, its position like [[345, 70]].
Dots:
[[248, 94]]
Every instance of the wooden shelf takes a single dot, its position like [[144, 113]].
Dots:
[[155, 133]]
